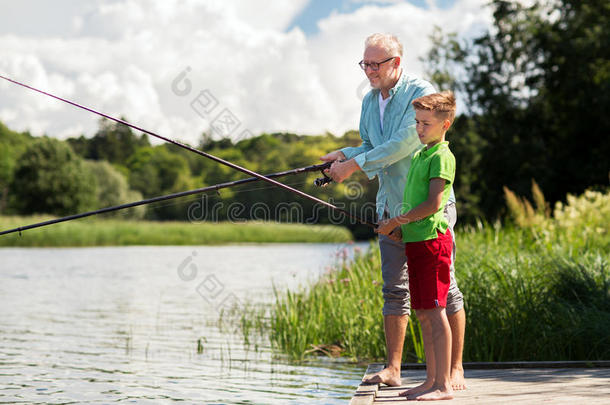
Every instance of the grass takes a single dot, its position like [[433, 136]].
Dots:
[[111, 232], [535, 292]]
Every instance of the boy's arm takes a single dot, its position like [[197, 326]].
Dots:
[[423, 210]]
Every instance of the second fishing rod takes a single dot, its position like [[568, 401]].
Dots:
[[318, 182]]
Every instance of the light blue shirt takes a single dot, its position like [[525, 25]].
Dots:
[[387, 153]]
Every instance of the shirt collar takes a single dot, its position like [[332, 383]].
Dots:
[[398, 84], [440, 145]]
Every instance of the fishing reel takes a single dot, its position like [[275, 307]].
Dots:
[[322, 181]]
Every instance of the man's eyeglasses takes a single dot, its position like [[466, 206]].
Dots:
[[373, 65]]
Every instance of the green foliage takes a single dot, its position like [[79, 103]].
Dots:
[[112, 189], [113, 142], [12, 146], [155, 171], [50, 178]]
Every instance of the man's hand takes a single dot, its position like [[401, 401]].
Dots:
[[340, 171], [332, 156]]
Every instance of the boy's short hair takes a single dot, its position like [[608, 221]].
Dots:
[[443, 104]]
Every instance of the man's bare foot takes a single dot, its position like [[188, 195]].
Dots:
[[458, 382], [436, 395], [425, 386], [386, 376]]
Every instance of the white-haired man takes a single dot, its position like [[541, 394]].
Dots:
[[389, 140]]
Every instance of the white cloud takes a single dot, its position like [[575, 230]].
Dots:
[[121, 57]]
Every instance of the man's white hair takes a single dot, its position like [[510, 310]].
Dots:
[[388, 42]]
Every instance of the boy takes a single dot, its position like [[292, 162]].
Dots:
[[427, 238]]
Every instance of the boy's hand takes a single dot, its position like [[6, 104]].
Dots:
[[396, 234], [332, 156], [386, 226]]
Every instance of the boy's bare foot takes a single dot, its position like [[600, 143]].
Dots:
[[386, 376], [458, 382], [425, 386], [436, 395]]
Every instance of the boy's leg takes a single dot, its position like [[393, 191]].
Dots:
[[426, 330], [457, 323], [455, 311], [440, 336], [396, 308]]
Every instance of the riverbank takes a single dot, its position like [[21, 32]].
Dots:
[[537, 292], [112, 232]]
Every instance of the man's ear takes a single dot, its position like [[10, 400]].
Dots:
[[396, 61]]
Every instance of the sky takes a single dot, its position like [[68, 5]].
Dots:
[[232, 68]]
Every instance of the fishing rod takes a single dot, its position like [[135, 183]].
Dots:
[[214, 187], [199, 152]]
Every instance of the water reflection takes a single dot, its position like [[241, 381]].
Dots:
[[122, 324]]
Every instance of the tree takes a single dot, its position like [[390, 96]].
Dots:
[[111, 189], [114, 142], [155, 171], [50, 178], [537, 88], [12, 145]]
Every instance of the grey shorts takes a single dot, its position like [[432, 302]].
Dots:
[[396, 298]]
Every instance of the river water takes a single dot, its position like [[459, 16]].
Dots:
[[122, 324]]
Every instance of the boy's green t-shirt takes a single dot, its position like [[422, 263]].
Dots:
[[436, 162]]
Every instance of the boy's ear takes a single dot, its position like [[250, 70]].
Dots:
[[446, 125]]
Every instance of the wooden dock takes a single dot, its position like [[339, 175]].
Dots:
[[570, 383]]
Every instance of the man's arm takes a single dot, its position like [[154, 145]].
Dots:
[[423, 210], [344, 166]]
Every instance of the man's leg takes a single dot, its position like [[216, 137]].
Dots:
[[396, 308], [394, 327], [455, 312]]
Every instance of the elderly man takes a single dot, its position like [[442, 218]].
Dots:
[[389, 140]]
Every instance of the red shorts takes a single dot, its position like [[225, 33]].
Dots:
[[429, 263]]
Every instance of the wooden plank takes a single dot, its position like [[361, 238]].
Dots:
[[366, 393], [568, 386]]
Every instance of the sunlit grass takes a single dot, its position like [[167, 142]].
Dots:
[[110, 232]]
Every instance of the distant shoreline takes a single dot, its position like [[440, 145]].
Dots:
[[113, 232]]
